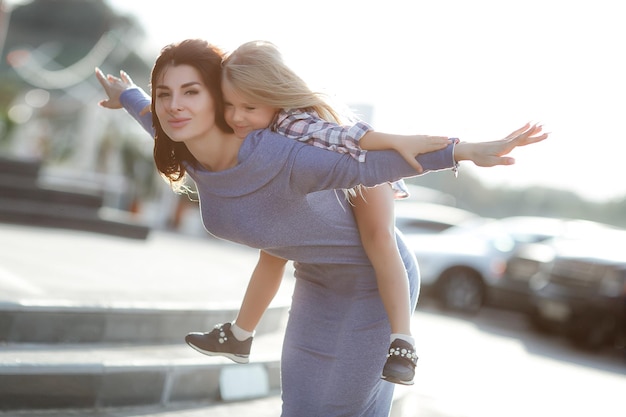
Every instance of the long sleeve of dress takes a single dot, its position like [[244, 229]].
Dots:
[[312, 168], [331, 169], [134, 101]]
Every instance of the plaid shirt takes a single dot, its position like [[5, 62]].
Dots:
[[310, 128]]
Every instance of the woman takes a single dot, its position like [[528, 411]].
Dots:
[[260, 91], [277, 195]]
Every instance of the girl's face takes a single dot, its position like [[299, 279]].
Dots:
[[184, 106], [242, 115]]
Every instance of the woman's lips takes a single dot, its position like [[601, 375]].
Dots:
[[177, 123]]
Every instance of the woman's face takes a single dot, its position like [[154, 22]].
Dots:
[[243, 115], [183, 104]]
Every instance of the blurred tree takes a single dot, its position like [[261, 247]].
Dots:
[[497, 202]]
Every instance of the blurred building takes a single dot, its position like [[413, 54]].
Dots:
[[49, 96]]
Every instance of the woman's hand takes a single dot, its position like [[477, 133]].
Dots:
[[488, 154], [114, 87]]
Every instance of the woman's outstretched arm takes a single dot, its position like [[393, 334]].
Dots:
[[114, 87]]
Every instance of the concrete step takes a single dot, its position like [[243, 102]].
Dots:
[[68, 216], [269, 406], [405, 404], [24, 189], [94, 376], [22, 167], [61, 324], [25, 200]]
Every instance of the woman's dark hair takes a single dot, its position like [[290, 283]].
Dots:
[[170, 157]]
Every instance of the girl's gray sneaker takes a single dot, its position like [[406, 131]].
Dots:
[[221, 342]]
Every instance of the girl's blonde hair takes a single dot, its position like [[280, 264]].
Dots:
[[256, 70]]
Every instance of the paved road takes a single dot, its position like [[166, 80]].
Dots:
[[495, 365], [43, 266]]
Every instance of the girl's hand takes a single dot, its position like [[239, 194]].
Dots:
[[113, 87], [408, 146], [414, 145], [488, 154]]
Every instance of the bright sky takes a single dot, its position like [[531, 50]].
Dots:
[[473, 69]]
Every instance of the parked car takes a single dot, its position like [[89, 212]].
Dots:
[[513, 290], [425, 218], [460, 264], [581, 292]]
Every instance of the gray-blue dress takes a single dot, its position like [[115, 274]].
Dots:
[[281, 198]]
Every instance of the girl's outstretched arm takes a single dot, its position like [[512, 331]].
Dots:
[[409, 146]]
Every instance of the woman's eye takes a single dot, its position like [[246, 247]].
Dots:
[[191, 92], [162, 95]]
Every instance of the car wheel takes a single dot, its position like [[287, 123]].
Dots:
[[461, 289]]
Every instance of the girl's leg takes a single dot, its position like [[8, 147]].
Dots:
[[374, 213], [262, 289], [234, 340]]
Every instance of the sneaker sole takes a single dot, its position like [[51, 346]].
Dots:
[[397, 381], [231, 356]]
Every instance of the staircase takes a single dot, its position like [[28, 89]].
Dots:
[[73, 357], [91, 323], [23, 200]]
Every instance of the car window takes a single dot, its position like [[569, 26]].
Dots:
[[420, 226], [426, 218]]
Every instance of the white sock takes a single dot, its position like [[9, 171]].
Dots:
[[239, 333], [405, 337]]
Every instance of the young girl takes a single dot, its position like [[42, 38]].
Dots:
[[260, 91]]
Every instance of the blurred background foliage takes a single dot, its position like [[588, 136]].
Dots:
[[48, 110]]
